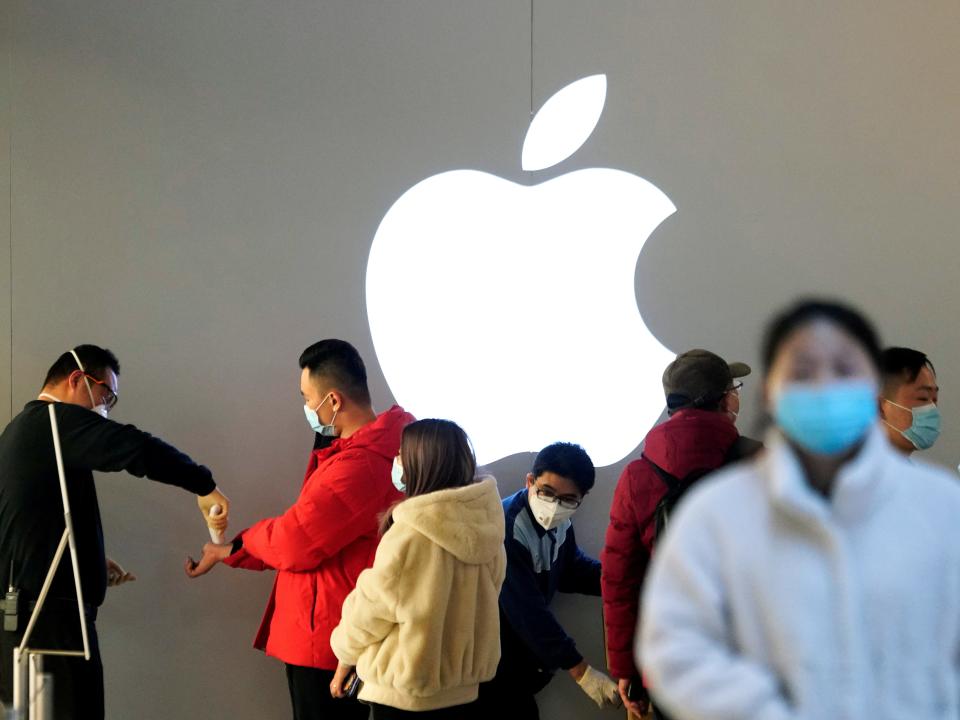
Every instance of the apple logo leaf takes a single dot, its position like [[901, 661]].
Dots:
[[564, 123]]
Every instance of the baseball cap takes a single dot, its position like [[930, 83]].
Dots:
[[699, 377]]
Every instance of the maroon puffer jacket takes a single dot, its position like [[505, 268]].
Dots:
[[690, 440]]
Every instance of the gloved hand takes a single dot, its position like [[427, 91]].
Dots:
[[601, 689], [218, 523]]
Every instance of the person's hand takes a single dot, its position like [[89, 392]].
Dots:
[[116, 575], [636, 707], [601, 689], [212, 554], [218, 523], [337, 688]]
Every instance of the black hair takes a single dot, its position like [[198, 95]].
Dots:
[[851, 321], [338, 362], [567, 460], [899, 365], [96, 360]]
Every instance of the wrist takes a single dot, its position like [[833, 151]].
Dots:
[[577, 671]]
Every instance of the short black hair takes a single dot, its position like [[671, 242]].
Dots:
[[803, 312], [899, 365], [96, 360], [567, 460], [339, 362]]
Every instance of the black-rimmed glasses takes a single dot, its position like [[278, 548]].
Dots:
[[566, 501]]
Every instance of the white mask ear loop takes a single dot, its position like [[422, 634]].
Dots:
[[93, 402], [890, 425]]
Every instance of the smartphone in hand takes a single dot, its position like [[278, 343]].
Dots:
[[352, 684]]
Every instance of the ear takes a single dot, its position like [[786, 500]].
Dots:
[[530, 480], [726, 402], [337, 399], [881, 410], [74, 379]]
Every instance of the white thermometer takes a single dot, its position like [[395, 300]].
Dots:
[[216, 535]]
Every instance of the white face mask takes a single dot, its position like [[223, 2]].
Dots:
[[100, 409], [548, 514]]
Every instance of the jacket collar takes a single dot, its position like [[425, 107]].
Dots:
[[381, 435], [861, 484]]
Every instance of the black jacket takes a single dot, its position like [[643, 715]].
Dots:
[[539, 563], [31, 510]]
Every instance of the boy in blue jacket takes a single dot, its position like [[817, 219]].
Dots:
[[542, 558]]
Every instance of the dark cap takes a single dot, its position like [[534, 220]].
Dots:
[[699, 377]]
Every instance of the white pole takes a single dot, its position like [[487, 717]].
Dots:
[[68, 521], [47, 581], [21, 684], [35, 663], [41, 690]]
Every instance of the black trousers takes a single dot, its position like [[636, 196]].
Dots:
[[511, 695], [470, 711], [311, 698], [77, 683]]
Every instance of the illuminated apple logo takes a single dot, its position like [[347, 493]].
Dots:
[[511, 308]]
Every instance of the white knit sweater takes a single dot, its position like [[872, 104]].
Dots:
[[766, 601]]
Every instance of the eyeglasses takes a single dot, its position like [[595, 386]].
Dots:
[[566, 501], [109, 396], [736, 388]]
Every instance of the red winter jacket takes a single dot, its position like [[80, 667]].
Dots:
[[690, 440], [320, 545]]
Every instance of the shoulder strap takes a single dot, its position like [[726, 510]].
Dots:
[[671, 481], [674, 486]]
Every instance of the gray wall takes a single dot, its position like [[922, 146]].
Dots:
[[196, 185]]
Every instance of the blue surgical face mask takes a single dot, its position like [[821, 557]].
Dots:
[[314, 420], [396, 475], [925, 428], [829, 418]]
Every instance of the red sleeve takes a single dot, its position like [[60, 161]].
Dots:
[[624, 560], [242, 559], [338, 504]]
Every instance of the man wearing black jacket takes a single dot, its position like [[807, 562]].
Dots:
[[82, 384]]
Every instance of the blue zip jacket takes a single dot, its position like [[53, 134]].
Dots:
[[539, 563]]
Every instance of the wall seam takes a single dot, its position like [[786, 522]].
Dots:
[[10, 188]]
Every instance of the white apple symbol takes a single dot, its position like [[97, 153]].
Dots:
[[511, 309]]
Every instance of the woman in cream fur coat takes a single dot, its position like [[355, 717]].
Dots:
[[422, 627]]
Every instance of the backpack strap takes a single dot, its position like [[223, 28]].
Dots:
[[674, 488], [671, 481]]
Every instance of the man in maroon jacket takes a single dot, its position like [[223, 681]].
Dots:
[[320, 545], [703, 400]]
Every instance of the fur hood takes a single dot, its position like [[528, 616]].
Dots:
[[467, 521]]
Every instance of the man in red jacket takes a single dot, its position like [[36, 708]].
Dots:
[[321, 544], [703, 400]]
